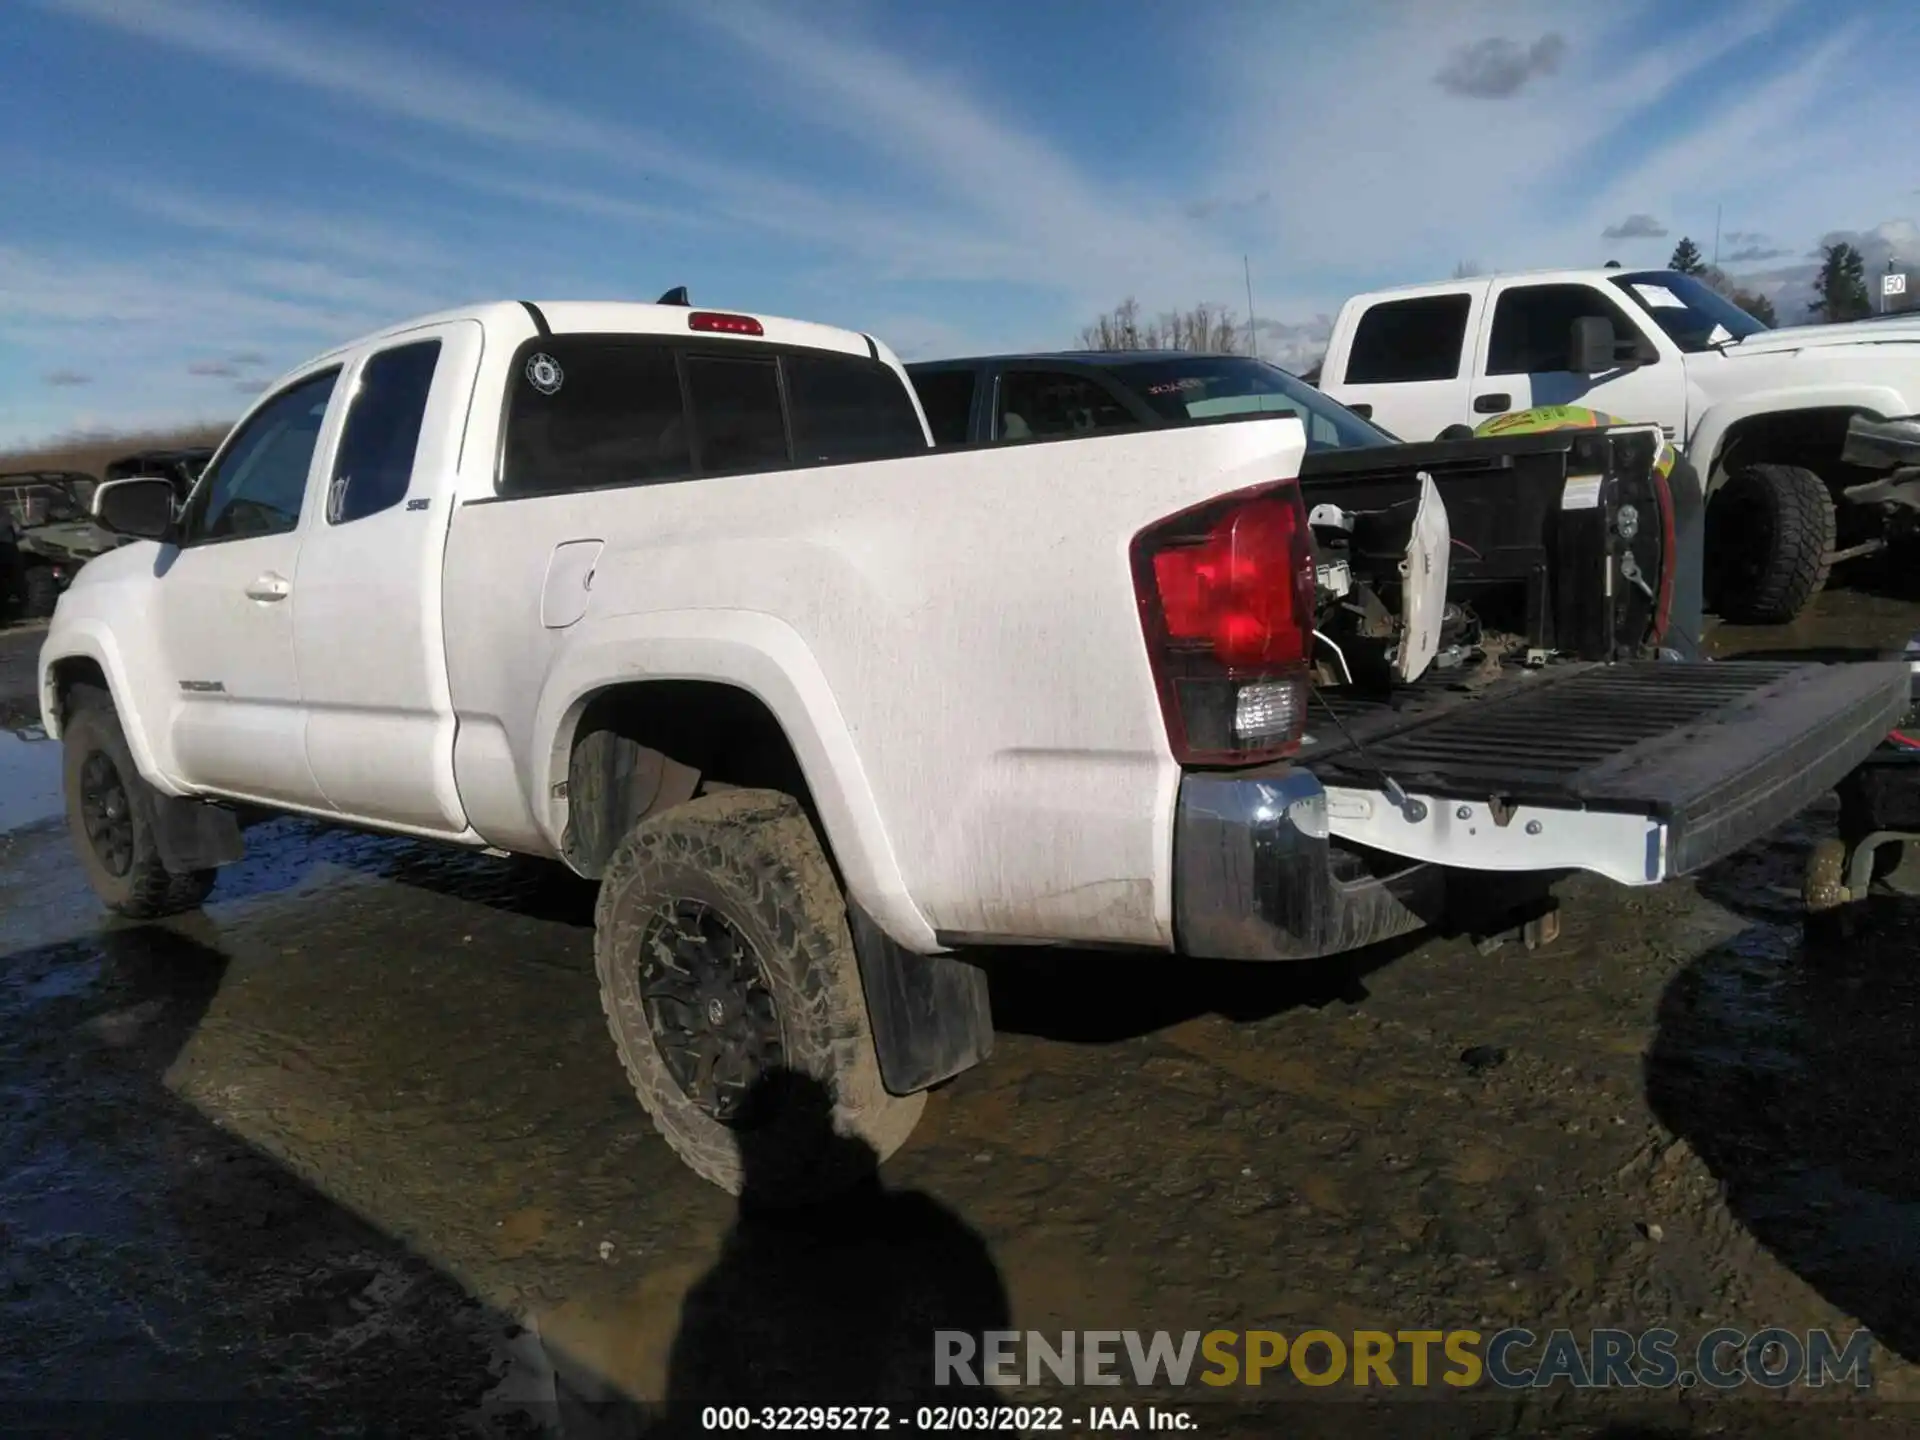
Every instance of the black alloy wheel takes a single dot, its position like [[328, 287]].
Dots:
[[710, 1012], [106, 812]]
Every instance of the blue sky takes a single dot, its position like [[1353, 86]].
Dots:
[[198, 195]]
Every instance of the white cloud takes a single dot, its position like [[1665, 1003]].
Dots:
[[445, 96], [282, 227], [132, 325], [478, 108], [918, 337], [1381, 176], [1774, 128], [1335, 150], [994, 179]]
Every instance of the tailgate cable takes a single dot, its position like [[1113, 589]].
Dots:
[[1412, 809]]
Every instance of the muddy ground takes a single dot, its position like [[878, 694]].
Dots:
[[350, 1152]]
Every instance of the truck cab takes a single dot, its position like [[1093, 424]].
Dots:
[[1422, 359], [1764, 415]]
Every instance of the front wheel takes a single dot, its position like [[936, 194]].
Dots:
[[731, 988], [1770, 537], [110, 817]]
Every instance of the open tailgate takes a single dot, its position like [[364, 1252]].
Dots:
[[1665, 766]]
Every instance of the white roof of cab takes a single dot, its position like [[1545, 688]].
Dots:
[[621, 317], [1587, 276]]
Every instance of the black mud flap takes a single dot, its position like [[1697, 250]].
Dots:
[[930, 1014], [195, 834], [1722, 753]]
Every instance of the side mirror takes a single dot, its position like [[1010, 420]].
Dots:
[[142, 507], [1594, 347]]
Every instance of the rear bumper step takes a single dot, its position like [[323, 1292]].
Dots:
[[1636, 772]]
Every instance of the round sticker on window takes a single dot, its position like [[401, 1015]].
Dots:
[[544, 373]]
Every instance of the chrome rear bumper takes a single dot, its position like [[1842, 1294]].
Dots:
[[1256, 876]]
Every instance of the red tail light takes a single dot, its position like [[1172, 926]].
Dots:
[[713, 320], [1226, 596]]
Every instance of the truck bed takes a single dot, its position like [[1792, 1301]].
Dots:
[[1719, 752]]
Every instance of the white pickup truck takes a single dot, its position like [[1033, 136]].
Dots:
[[1768, 418], [685, 600]]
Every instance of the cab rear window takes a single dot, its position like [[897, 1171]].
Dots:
[[590, 411]]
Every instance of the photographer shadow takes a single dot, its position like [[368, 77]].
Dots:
[[833, 1303], [1785, 1061]]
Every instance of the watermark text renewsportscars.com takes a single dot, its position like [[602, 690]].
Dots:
[[1513, 1359]]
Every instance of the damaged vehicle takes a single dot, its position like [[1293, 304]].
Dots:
[[1890, 450], [689, 602], [1762, 414]]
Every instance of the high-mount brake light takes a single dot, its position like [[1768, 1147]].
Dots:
[[1226, 595], [718, 323]]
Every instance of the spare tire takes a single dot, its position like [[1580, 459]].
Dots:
[[1770, 535]]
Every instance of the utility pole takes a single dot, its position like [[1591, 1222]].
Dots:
[[1716, 236], [1253, 331]]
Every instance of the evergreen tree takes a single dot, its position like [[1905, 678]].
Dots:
[[1841, 290], [1758, 306], [1686, 257]]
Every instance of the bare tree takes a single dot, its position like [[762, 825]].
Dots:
[[1118, 329], [1206, 328], [1466, 269]]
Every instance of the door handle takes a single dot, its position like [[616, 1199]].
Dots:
[[1363, 410], [1496, 404], [269, 587]]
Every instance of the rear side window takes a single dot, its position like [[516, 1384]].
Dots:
[[1399, 342], [947, 397], [373, 464], [1036, 403], [585, 412], [1533, 327], [845, 409], [736, 409]]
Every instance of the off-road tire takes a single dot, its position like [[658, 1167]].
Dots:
[[147, 890], [1770, 536], [39, 592], [753, 857]]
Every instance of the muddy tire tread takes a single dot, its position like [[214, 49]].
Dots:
[[761, 853], [1803, 535], [149, 891]]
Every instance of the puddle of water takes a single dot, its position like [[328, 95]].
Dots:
[[29, 778]]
